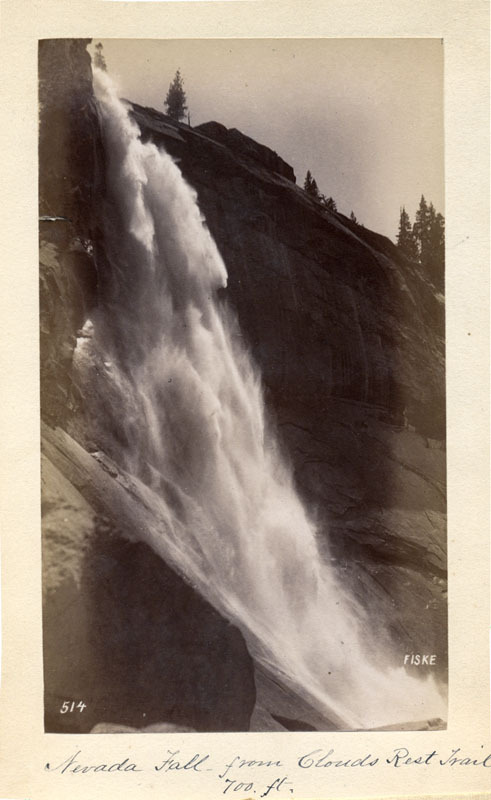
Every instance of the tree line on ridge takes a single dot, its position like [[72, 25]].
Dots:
[[423, 242]]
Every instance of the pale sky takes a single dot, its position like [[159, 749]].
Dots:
[[364, 115]]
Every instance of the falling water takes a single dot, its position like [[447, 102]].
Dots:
[[180, 405]]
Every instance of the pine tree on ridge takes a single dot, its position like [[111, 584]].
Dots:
[[175, 102], [406, 240]]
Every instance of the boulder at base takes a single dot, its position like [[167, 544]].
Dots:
[[125, 635]]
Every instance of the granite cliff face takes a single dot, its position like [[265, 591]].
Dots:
[[70, 161], [348, 337]]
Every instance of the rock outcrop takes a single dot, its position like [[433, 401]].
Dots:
[[349, 339], [247, 148], [123, 632], [70, 168]]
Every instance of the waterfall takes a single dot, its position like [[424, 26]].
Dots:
[[177, 401]]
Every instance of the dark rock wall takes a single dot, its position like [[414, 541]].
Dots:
[[70, 174], [68, 135], [247, 147], [139, 646]]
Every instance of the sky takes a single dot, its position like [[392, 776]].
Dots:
[[365, 116]]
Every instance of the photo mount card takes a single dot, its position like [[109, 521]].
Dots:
[[302, 763]]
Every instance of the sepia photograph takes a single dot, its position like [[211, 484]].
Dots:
[[242, 379]]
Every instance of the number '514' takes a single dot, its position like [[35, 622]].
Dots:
[[68, 706]]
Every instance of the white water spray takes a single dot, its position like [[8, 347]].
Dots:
[[182, 406]]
